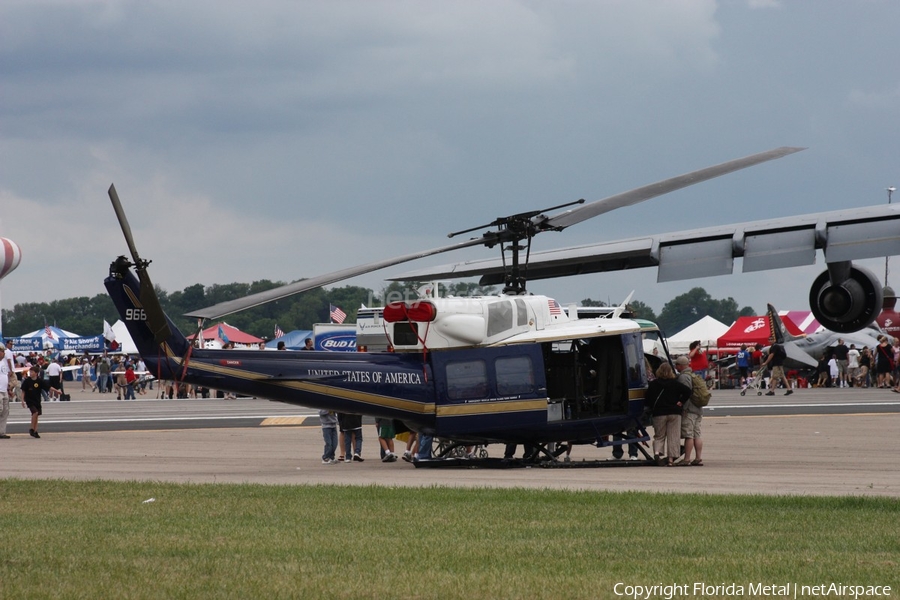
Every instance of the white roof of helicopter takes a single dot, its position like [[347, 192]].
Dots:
[[508, 319]]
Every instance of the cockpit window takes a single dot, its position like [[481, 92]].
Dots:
[[500, 317], [521, 312]]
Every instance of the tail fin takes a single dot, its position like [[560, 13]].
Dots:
[[777, 328], [126, 292]]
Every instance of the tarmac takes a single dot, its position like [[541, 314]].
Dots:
[[808, 455]]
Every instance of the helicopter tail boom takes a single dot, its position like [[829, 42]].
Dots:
[[128, 296]]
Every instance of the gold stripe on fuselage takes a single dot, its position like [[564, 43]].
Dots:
[[491, 407], [371, 399]]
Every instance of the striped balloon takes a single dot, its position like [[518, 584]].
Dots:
[[10, 255]]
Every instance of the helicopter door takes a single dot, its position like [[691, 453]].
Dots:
[[482, 391], [587, 376]]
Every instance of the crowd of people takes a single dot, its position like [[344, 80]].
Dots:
[[840, 366], [36, 377]]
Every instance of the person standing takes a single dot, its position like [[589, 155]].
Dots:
[[841, 355], [691, 417], [103, 373], [351, 429], [7, 373], [743, 359], [11, 362], [32, 388], [86, 382], [386, 434], [130, 379], [666, 397], [54, 375], [865, 367], [308, 344], [699, 360], [834, 371], [884, 362], [853, 366], [776, 359], [329, 421]]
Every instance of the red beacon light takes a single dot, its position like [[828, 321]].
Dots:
[[415, 311]]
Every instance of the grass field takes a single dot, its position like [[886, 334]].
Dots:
[[63, 539]]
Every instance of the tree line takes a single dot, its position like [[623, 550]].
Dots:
[[85, 316]]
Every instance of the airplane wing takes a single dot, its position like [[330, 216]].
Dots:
[[797, 355], [844, 235]]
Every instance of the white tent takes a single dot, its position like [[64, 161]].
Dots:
[[707, 330], [126, 344]]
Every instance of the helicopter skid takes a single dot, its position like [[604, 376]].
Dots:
[[502, 463]]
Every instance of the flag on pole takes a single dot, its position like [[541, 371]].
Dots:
[[48, 331], [222, 335], [336, 314], [278, 332], [108, 332]]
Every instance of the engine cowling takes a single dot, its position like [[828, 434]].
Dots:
[[847, 306]]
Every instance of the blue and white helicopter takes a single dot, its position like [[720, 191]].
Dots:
[[515, 368]]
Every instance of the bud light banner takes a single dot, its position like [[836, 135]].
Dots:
[[336, 340], [25, 345], [81, 344]]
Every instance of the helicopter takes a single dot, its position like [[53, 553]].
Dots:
[[514, 368]]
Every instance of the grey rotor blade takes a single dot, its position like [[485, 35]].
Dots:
[[232, 306], [123, 224], [598, 207], [156, 318]]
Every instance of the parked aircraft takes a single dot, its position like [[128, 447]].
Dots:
[[807, 349], [513, 368]]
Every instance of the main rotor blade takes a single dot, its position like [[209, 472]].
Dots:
[[232, 306], [123, 223], [598, 207]]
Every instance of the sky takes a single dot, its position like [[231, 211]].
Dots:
[[286, 139]]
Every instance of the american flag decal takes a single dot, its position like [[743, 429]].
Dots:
[[554, 307]]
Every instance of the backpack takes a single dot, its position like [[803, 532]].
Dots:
[[700, 394]]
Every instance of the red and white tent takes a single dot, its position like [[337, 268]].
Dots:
[[751, 331], [232, 333]]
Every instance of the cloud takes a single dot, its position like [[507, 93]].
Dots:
[[358, 130]]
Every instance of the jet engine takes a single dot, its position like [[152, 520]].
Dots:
[[845, 298]]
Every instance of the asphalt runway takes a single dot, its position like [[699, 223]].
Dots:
[[815, 442]]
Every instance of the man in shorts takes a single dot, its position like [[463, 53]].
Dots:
[[32, 387], [691, 418], [776, 359]]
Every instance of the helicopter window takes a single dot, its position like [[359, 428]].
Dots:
[[500, 317], [406, 333], [634, 359], [521, 313], [515, 375], [467, 380]]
